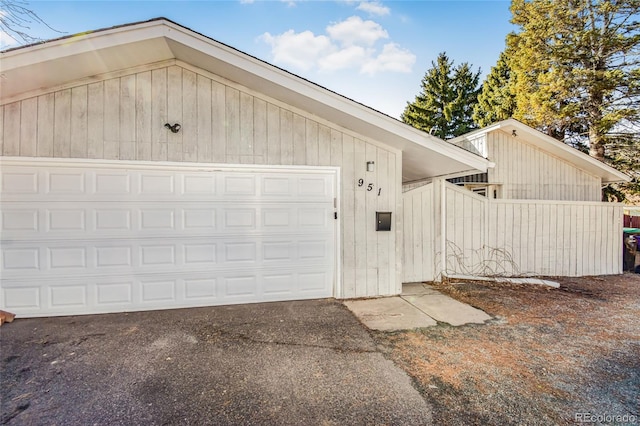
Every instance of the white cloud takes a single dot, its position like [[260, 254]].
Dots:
[[349, 44], [354, 30], [349, 57], [247, 1], [392, 58], [373, 8], [6, 41], [300, 50]]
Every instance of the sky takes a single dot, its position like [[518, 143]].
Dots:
[[374, 52]]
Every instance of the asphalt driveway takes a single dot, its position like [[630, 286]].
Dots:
[[307, 362]]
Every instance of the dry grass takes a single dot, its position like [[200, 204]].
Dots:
[[548, 354]]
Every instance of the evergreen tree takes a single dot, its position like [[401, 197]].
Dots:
[[577, 66], [496, 101], [445, 104]]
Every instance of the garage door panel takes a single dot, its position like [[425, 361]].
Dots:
[[65, 183], [21, 298], [158, 289], [112, 183], [20, 220], [20, 259], [162, 291], [93, 184], [67, 257], [58, 258], [203, 289], [18, 183], [194, 184], [312, 282], [199, 218], [65, 219], [273, 186], [119, 292], [68, 296], [53, 220], [88, 239], [240, 185], [279, 284]]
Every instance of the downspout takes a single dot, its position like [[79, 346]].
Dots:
[[443, 230]]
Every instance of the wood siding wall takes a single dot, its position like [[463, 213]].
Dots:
[[485, 237], [419, 231], [122, 117], [529, 173]]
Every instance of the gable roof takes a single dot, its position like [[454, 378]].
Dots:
[[550, 145], [27, 71]]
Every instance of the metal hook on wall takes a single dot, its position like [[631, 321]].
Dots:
[[174, 129]]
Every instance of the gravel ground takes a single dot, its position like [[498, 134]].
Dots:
[[549, 356]]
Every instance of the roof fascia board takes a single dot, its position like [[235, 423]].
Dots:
[[570, 154], [554, 147], [288, 83], [319, 94], [84, 43]]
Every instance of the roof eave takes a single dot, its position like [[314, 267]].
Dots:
[[607, 173], [126, 46]]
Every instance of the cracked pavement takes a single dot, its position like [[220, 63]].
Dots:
[[304, 362]]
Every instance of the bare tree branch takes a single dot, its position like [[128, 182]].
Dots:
[[17, 19]]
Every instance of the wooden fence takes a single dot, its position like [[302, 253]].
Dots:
[[451, 231]]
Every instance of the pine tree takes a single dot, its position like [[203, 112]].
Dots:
[[445, 104], [496, 101], [577, 66]]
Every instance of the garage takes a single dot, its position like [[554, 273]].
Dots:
[[147, 166], [83, 236]]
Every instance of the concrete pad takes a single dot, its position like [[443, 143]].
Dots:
[[283, 363], [418, 288], [445, 309], [389, 314]]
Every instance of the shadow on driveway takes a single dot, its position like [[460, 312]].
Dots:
[[306, 362]]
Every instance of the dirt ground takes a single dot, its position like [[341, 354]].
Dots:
[[550, 356]]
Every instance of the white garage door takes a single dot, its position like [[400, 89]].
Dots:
[[83, 237]]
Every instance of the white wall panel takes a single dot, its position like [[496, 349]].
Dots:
[[526, 172]]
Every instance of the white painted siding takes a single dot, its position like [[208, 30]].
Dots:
[[529, 173], [122, 116], [418, 228], [485, 237]]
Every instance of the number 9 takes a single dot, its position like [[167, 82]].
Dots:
[[360, 182]]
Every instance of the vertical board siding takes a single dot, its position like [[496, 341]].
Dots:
[[418, 235], [79, 107], [159, 115], [95, 120], [1, 129], [526, 172], [486, 237], [11, 130], [127, 111], [62, 124], [123, 118], [111, 123], [174, 113], [29, 129]]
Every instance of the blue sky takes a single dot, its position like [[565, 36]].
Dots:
[[375, 52]]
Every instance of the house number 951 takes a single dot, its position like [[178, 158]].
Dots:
[[369, 186]]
